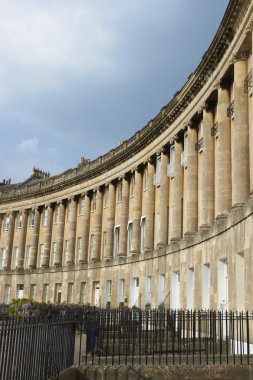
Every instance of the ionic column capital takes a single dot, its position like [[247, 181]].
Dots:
[[203, 106], [217, 85], [96, 190], [174, 139], [72, 198], [239, 56], [11, 214], [124, 176], [49, 205], [60, 203], [187, 124], [35, 208], [159, 151]]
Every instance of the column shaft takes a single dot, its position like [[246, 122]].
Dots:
[[48, 237], [60, 236], [35, 239], [110, 222], [206, 196], [250, 100], [150, 209], [72, 236], [137, 213], [9, 245], [190, 222], [164, 202], [97, 228], [22, 240], [85, 231], [240, 137], [124, 219], [1, 222], [177, 196], [223, 167]]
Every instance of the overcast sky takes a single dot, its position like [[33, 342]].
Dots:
[[78, 76]]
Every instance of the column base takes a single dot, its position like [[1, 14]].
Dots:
[[204, 227], [189, 233], [160, 244], [82, 262], [221, 216], [134, 253], [70, 263], [238, 205], [121, 255], [175, 240], [108, 258]]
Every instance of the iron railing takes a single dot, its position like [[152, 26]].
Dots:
[[35, 348], [167, 337], [40, 347]]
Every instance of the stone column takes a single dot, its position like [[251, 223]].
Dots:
[[124, 218], [35, 238], [240, 135], [60, 235], [190, 221], [9, 245], [223, 167], [97, 228], [250, 100], [177, 195], [85, 230], [206, 196], [150, 208], [48, 237], [110, 222], [137, 207], [22, 240], [70, 260], [1, 223], [164, 201]]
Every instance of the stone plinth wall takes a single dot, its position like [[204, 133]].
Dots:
[[159, 373]]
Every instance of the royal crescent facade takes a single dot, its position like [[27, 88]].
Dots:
[[164, 218]]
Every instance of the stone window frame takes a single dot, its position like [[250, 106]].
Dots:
[[18, 221], [15, 257], [116, 240], [31, 220], [44, 217], [119, 192], [28, 254], [2, 257]]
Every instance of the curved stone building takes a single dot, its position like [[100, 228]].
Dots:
[[166, 217]]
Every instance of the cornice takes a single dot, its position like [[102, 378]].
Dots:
[[169, 113]]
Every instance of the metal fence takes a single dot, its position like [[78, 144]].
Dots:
[[35, 348], [40, 347], [166, 337]]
